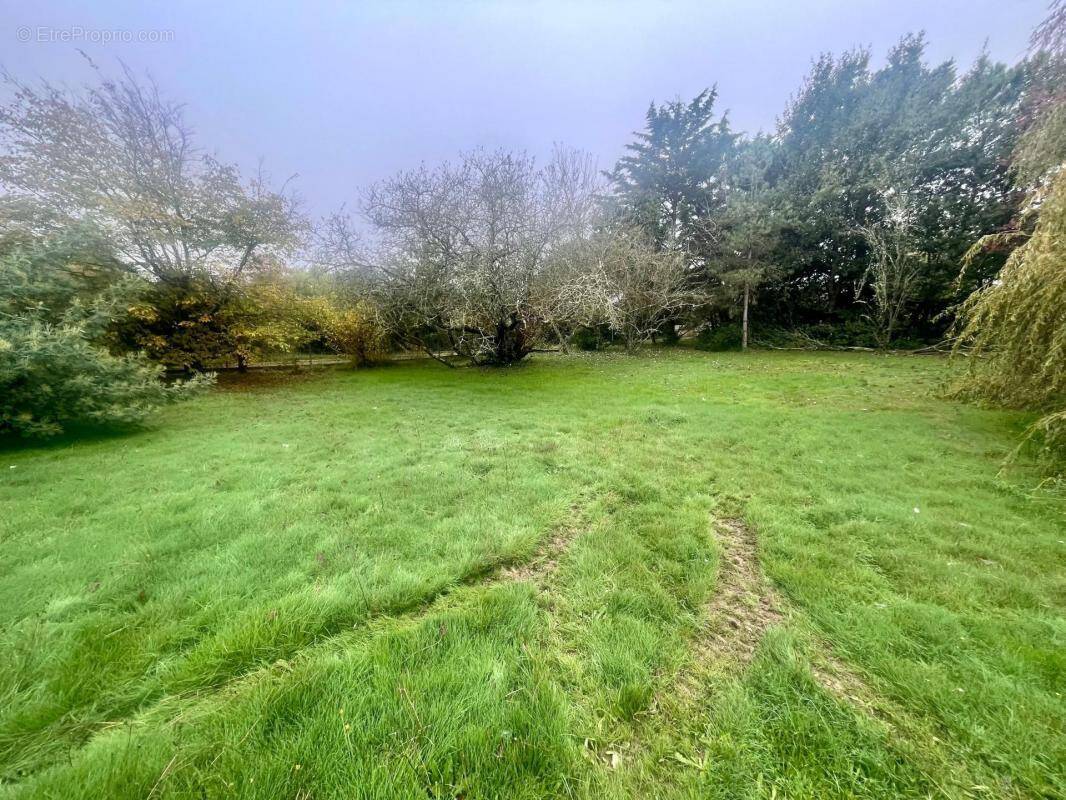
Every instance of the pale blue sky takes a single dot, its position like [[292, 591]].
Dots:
[[347, 93]]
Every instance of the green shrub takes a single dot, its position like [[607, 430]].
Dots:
[[719, 338], [55, 375], [56, 305], [591, 338]]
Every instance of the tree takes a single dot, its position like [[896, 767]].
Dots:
[[640, 288], [617, 281], [273, 317], [200, 321], [893, 268], [121, 156], [749, 227], [337, 248], [1018, 322], [1041, 151], [1015, 326], [672, 184], [189, 322], [466, 263], [941, 139], [357, 331], [58, 297]]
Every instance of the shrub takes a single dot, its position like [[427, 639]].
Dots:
[[358, 333], [55, 307], [591, 337], [719, 338], [52, 376]]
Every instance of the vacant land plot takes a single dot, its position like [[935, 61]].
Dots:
[[680, 575]]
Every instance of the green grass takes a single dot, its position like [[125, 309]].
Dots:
[[302, 589]]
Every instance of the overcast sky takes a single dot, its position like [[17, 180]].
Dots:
[[343, 94]]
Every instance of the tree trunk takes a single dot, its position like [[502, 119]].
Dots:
[[511, 345], [242, 362], [744, 325], [564, 345]]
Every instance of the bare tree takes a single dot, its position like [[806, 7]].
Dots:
[[122, 157], [337, 247], [894, 267], [639, 287], [468, 250]]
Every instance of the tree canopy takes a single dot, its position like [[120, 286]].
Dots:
[[853, 222]]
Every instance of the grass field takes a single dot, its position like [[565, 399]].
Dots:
[[676, 575]]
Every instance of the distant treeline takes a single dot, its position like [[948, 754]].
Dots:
[[885, 201], [853, 218]]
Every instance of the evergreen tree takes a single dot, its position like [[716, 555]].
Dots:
[[58, 298], [853, 139], [673, 182], [749, 223]]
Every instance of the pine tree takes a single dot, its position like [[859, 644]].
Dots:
[[672, 185], [749, 228]]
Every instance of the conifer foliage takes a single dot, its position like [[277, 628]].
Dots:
[[57, 301]]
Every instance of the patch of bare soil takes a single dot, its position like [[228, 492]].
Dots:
[[737, 617], [842, 682], [744, 605], [538, 569]]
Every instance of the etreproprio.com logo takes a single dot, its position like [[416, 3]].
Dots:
[[77, 33]]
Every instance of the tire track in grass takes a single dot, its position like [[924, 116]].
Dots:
[[330, 630], [743, 607], [539, 569], [920, 736], [536, 569]]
